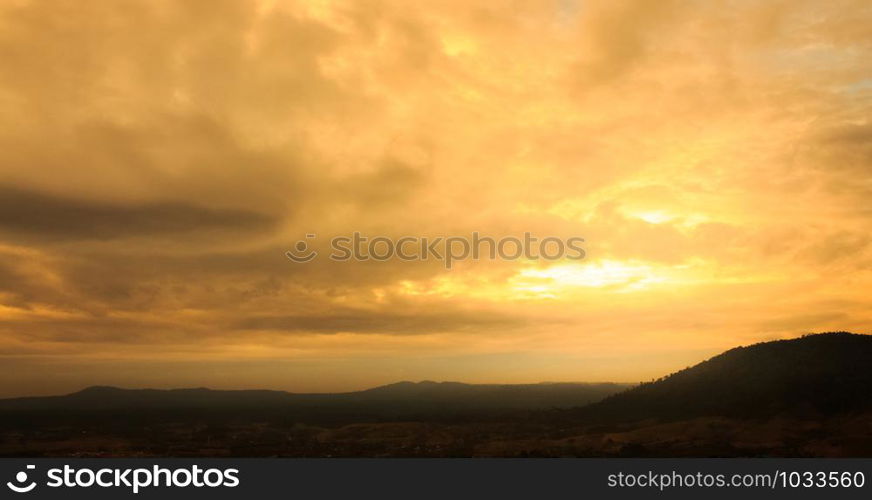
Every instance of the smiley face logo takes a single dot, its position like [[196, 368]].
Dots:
[[301, 252], [20, 479]]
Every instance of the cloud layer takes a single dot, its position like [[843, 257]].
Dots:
[[160, 157]]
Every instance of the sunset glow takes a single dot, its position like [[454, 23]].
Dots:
[[159, 159]]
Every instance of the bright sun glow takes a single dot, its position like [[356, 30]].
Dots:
[[654, 217], [623, 276]]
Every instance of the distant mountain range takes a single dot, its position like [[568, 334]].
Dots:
[[400, 400], [824, 374], [810, 396], [827, 374]]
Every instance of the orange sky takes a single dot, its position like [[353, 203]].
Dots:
[[159, 157]]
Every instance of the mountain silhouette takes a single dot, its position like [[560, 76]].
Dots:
[[403, 399], [828, 373], [810, 396]]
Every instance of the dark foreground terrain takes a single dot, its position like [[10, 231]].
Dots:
[[805, 397]]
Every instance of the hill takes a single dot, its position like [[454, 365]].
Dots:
[[810, 396], [400, 400], [829, 373]]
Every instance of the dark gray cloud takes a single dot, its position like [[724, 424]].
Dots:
[[391, 183], [379, 322], [51, 217], [93, 330]]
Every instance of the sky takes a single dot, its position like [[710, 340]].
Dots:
[[160, 157]]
